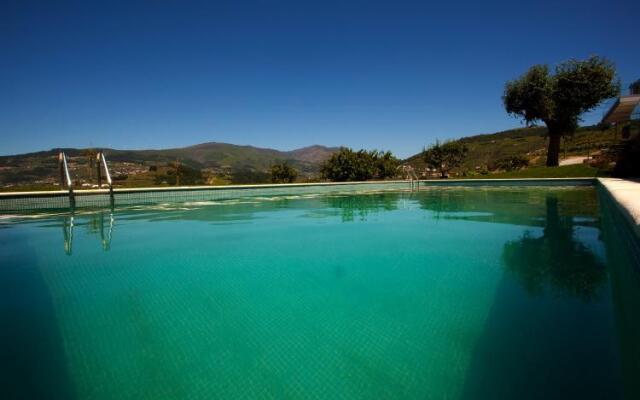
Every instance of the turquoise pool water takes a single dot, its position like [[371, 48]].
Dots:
[[449, 293]]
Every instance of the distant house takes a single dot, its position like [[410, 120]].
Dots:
[[624, 115], [625, 108]]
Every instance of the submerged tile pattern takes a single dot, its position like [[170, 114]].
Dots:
[[449, 293], [61, 201]]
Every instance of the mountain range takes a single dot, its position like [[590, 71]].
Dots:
[[222, 163], [217, 158]]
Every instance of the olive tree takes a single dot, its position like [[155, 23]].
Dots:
[[559, 99], [283, 173], [443, 157]]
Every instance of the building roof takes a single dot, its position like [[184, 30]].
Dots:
[[624, 109]]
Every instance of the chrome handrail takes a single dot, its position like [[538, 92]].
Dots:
[[62, 160], [411, 176], [103, 162], [64, 175]]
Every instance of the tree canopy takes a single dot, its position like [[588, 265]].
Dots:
[[361, 165], [443, 157], [283, 173], [559, 99], [635, 87]]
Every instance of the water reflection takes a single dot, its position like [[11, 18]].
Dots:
[[558, 259], [67, 232], [514, 206], [361, 206], [96, 225], [516, 356], [555, 259]]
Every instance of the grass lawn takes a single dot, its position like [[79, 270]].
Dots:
[[566, 171]]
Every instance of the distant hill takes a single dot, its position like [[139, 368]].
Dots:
[[225, 162], [530, 143]]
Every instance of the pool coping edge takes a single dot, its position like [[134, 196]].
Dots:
[[626, 195], [425, 182]]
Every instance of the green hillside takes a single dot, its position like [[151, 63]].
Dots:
[[530, 143]]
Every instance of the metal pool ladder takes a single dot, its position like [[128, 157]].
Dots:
[[65, 178], [411, 176], [101, 161]]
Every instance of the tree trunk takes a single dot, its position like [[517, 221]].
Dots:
[[553, 152]]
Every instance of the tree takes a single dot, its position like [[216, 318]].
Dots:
[[556, 260], [634, 88], [349, 165], [177, 174], [628, 163], [386, 164], [91, 162], [510, 163], [443, 157], [560, 99], [283, 173]]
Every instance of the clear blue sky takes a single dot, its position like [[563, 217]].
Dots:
[[387, 75]]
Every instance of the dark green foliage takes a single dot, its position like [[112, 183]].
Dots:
[[512, 163], [385, 163], [283, 173], [348, 165], [245, 175], [443, 157], [628, 163], [634, 88], [180, 174], [559, 99]]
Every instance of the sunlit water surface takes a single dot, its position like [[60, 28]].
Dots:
[[443, 294]]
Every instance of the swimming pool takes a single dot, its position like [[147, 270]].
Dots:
[[450, 292]]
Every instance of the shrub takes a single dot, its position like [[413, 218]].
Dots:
[[283, 173], [348, 165], [511, 163]]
